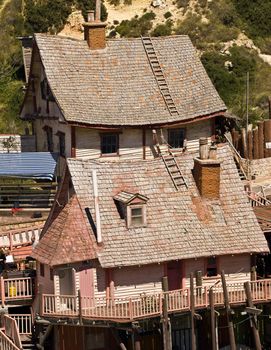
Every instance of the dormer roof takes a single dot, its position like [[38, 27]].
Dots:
[[127, 198], [117, 86]]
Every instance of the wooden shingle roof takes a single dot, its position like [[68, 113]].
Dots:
[[116, 86], [180, 224]]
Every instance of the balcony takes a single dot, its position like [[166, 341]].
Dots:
[[148, 305], [16, 289]]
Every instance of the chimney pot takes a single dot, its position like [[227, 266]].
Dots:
[[203, 148], [213, 152], [91, 16]]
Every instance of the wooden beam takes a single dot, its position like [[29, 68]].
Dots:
[[253, 323], [167, 341], [228, 313], [213, 319], [73, 141], [255, 143], [192, 312], [261, 139]]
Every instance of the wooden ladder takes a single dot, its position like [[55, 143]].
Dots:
[[159, 75], [174, 170]]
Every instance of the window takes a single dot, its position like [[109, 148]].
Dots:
[[136, 215], [176, 138], [211, 269], [109, 143], [46, 93], [61, 143], [42, 270], [49, 138], [51, 274]]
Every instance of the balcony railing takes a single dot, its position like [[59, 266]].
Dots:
[[16, 289], [6, 343], [148, 305], [24, 323]]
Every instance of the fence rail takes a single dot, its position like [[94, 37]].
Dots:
[[6, 343], [12, 331], [148, 305], [24, 323], [16, 288]]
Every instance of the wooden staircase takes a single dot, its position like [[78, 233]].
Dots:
[[159, 75]]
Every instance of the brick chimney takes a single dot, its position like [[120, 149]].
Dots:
[[207, 170], [94, 29]]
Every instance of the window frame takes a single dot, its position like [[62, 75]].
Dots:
[[49, 138], [42, 270], [61, 136], [129, 215], [211, 266], [184, 137], [104, 134]]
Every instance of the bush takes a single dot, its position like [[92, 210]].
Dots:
[[163, 29], [167, 15], [182, 3], [136, 26], [86, 5]]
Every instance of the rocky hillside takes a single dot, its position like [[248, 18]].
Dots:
[[232, 37]]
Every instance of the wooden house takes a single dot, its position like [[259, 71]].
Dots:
[[117, 228], [102, 99]]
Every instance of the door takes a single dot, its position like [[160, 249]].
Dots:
[[174, 273], [66, 281]]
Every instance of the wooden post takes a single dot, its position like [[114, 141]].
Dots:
[[253, 271], [228, 312], [244, 142], [261, 140], [255, 143], [165, 319], [213, 319], [40, 299], [267, 137], [257, 341], [80, 307], [192, 308], [2, 286], [249, 145]]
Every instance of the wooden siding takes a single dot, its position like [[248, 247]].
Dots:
[[99, 279], [136, 280], [86, 278], [131, 141], [45, 281], [236, 268], [56, 126]]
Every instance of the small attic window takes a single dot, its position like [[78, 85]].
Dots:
[[135, 207], [46, 93]]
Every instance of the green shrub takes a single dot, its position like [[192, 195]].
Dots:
[[136, 26], [163, 29], [86, 5], [182, 3], [167, 15]]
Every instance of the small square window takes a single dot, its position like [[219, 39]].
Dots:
[[42, 272], [136, 216], [211, 270], [109, 143], [176, 138]]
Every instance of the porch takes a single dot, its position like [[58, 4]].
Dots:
[[145, 306], [19, 290]]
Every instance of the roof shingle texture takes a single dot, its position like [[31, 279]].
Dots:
[[68, 238], [180, 225], [116, 86]]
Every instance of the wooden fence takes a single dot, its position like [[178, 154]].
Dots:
[[6, 343], [24, 323], [148, 305], [16, 289], [11, 330]]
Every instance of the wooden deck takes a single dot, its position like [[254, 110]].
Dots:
[[148, 305]]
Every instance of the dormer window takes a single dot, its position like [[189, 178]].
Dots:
[[109, 143], [133, 205], [46, 93], [176, 137]]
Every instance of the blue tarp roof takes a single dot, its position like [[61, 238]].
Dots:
[[37, 165]]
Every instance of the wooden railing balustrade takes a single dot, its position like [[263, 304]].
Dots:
[[16, 289], [24, 323], [12, 330], [149, 305], [6, 343], [256, 200]]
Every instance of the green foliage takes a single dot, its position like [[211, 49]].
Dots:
[[163, 29], [44, 16], [257, 16], [167, 15], [87, 5], [136, 26], [182, 3]]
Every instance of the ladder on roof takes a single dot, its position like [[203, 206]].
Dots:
[[159, 75], [174, 170]]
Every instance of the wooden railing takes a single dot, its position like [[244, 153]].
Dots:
[[256, 200], [148, 305], [18, 237], [16, 288], [24, 323], [11, 330], [6, 343]]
